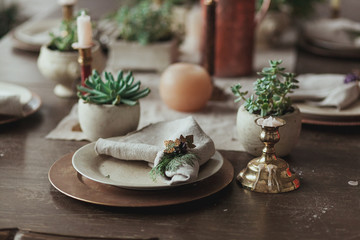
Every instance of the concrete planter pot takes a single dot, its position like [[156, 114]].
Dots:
[[64, 69], [249, 132], [134, 56], [104, 121]]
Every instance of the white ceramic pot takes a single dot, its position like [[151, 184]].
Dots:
[[64, 69], [104, 121], [249, 132], [134, 56]]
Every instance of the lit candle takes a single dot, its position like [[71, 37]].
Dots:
[[84, 31], [67, 2]]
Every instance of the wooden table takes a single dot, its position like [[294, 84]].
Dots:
[[325, 206]]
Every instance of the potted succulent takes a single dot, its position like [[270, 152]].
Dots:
[[146, 39], [109, 107], [58, 61], [271, 99]]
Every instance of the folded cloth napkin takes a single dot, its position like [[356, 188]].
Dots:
[[339, 31], [148, 144], [328, 89], [10, 104]]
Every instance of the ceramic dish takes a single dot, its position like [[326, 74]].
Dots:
[[129, 174], [31, 101], [328, 114], [65, 179], [32, 35], [328, 49]]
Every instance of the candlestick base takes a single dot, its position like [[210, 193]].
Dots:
[[85, 60], [267, 173], [64, 91]]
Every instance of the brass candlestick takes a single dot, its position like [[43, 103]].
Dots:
[[84, 60], [335, 8], [67, 12], [267, 173]]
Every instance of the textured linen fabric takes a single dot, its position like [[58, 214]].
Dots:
[[148, 144], [326, 90]]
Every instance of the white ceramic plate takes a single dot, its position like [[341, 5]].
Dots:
[[36, 32], [129, 174], [31, 102], [25, 94], [329, 112]]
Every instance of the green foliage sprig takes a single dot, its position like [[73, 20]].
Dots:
[[271, 90], [68, 35], [175, 155], [145, 23], [121, 90]]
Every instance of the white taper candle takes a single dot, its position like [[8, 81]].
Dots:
[[84, 31]]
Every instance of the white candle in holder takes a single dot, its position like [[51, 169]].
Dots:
[[84, 31], [67, 2]]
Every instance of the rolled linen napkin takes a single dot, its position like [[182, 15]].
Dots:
[[148, 144], [10, 104], [328, 89]]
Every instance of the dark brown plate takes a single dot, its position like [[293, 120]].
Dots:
[[67, 180]]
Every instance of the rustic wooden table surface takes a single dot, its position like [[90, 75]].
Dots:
[[325, 206]]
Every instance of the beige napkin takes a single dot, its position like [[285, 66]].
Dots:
[[10, 104], [148, 144], [328, 89], [337, 31]]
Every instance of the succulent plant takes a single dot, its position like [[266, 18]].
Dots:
[[271, 91], [145, 23], [121, 90]]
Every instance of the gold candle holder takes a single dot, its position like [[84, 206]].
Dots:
[[85, 60], [267, 173], [67, 12], [335, 8]]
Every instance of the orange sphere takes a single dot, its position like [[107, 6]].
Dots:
[[185, 87]]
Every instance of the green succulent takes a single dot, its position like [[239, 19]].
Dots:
[[145, 23], [271, 91], [121, 90]]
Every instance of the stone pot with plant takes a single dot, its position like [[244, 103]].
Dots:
[[58, 61], [269, 99], [109, 107], [146, 39]]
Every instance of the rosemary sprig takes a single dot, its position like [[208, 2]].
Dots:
[[175, 156], [172, 163]]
